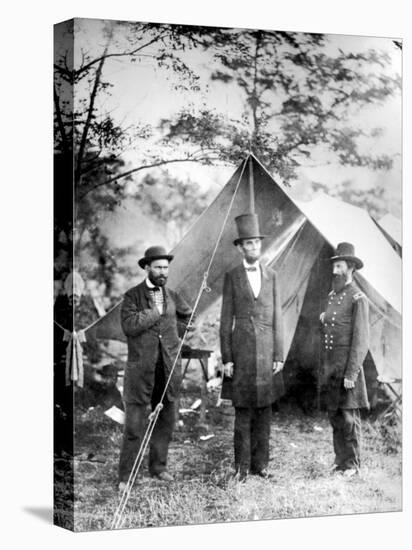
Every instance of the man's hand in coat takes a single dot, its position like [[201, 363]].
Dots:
[[277, 366], [228, 370]]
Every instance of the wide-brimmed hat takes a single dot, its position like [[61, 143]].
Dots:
[[346, 251], [154, 253], [247, 227]]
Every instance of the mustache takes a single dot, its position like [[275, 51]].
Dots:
[[158, 280]]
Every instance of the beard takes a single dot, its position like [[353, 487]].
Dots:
[[252, 257], [338, 282], [159, 280]]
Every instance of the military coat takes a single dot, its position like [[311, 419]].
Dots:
[[345, 336], [149, 333], [251, 336]]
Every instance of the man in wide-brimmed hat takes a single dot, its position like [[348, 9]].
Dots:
[[251, 339], [152, 316], [345, 328]]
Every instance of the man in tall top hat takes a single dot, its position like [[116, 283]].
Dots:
[[345, 327], [152, 317], [251, 339]]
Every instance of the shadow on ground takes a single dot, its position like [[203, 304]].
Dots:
[[42, 512]]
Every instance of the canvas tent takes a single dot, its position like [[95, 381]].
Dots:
[[391, 227], [300, 239]]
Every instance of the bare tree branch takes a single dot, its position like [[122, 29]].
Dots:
[[86, 67], [90, 114], [60, 123], [144, 167], [91, 163]]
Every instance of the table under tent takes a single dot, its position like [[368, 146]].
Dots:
[[300, 239]]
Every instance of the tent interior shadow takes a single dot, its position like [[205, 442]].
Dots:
[[42, 512]]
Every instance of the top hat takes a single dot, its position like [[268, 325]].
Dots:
[[247, 227], [154, 253], [346, 251]]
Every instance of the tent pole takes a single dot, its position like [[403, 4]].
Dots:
[[251, 186], [319, 366]]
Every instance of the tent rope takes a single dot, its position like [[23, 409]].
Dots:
[[74, 350], [117, 518], [92, 323], [74, 355]]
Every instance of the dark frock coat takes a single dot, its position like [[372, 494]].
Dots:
[[149, 333], [251, 336], [346, 343]]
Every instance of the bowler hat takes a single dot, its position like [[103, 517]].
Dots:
[[247, 227], [154, 253], [346, 251]]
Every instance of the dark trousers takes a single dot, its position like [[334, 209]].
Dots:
[[134, 429], [251, 439], [346, 425]]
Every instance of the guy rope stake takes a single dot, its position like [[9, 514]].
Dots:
[[118, 515]]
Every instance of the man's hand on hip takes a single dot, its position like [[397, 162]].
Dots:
[[228, 369], [277, 366]]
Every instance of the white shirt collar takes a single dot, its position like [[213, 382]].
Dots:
[[149, 283]]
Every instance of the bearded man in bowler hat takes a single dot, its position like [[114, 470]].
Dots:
[[345, 327], [251, 339], [152, 317]]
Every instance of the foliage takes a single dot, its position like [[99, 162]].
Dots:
[[391, 434], [372, 199], [167, 199], [297, 98], [88, 137]]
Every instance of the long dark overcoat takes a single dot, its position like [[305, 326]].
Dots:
[[251, 336], [345, 344], [149, 333]]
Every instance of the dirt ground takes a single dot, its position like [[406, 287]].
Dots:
[[203, 490]]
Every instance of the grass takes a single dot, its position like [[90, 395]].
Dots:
[[204, 490]]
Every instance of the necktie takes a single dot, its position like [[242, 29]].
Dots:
[[251, 268], [156, 288]]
